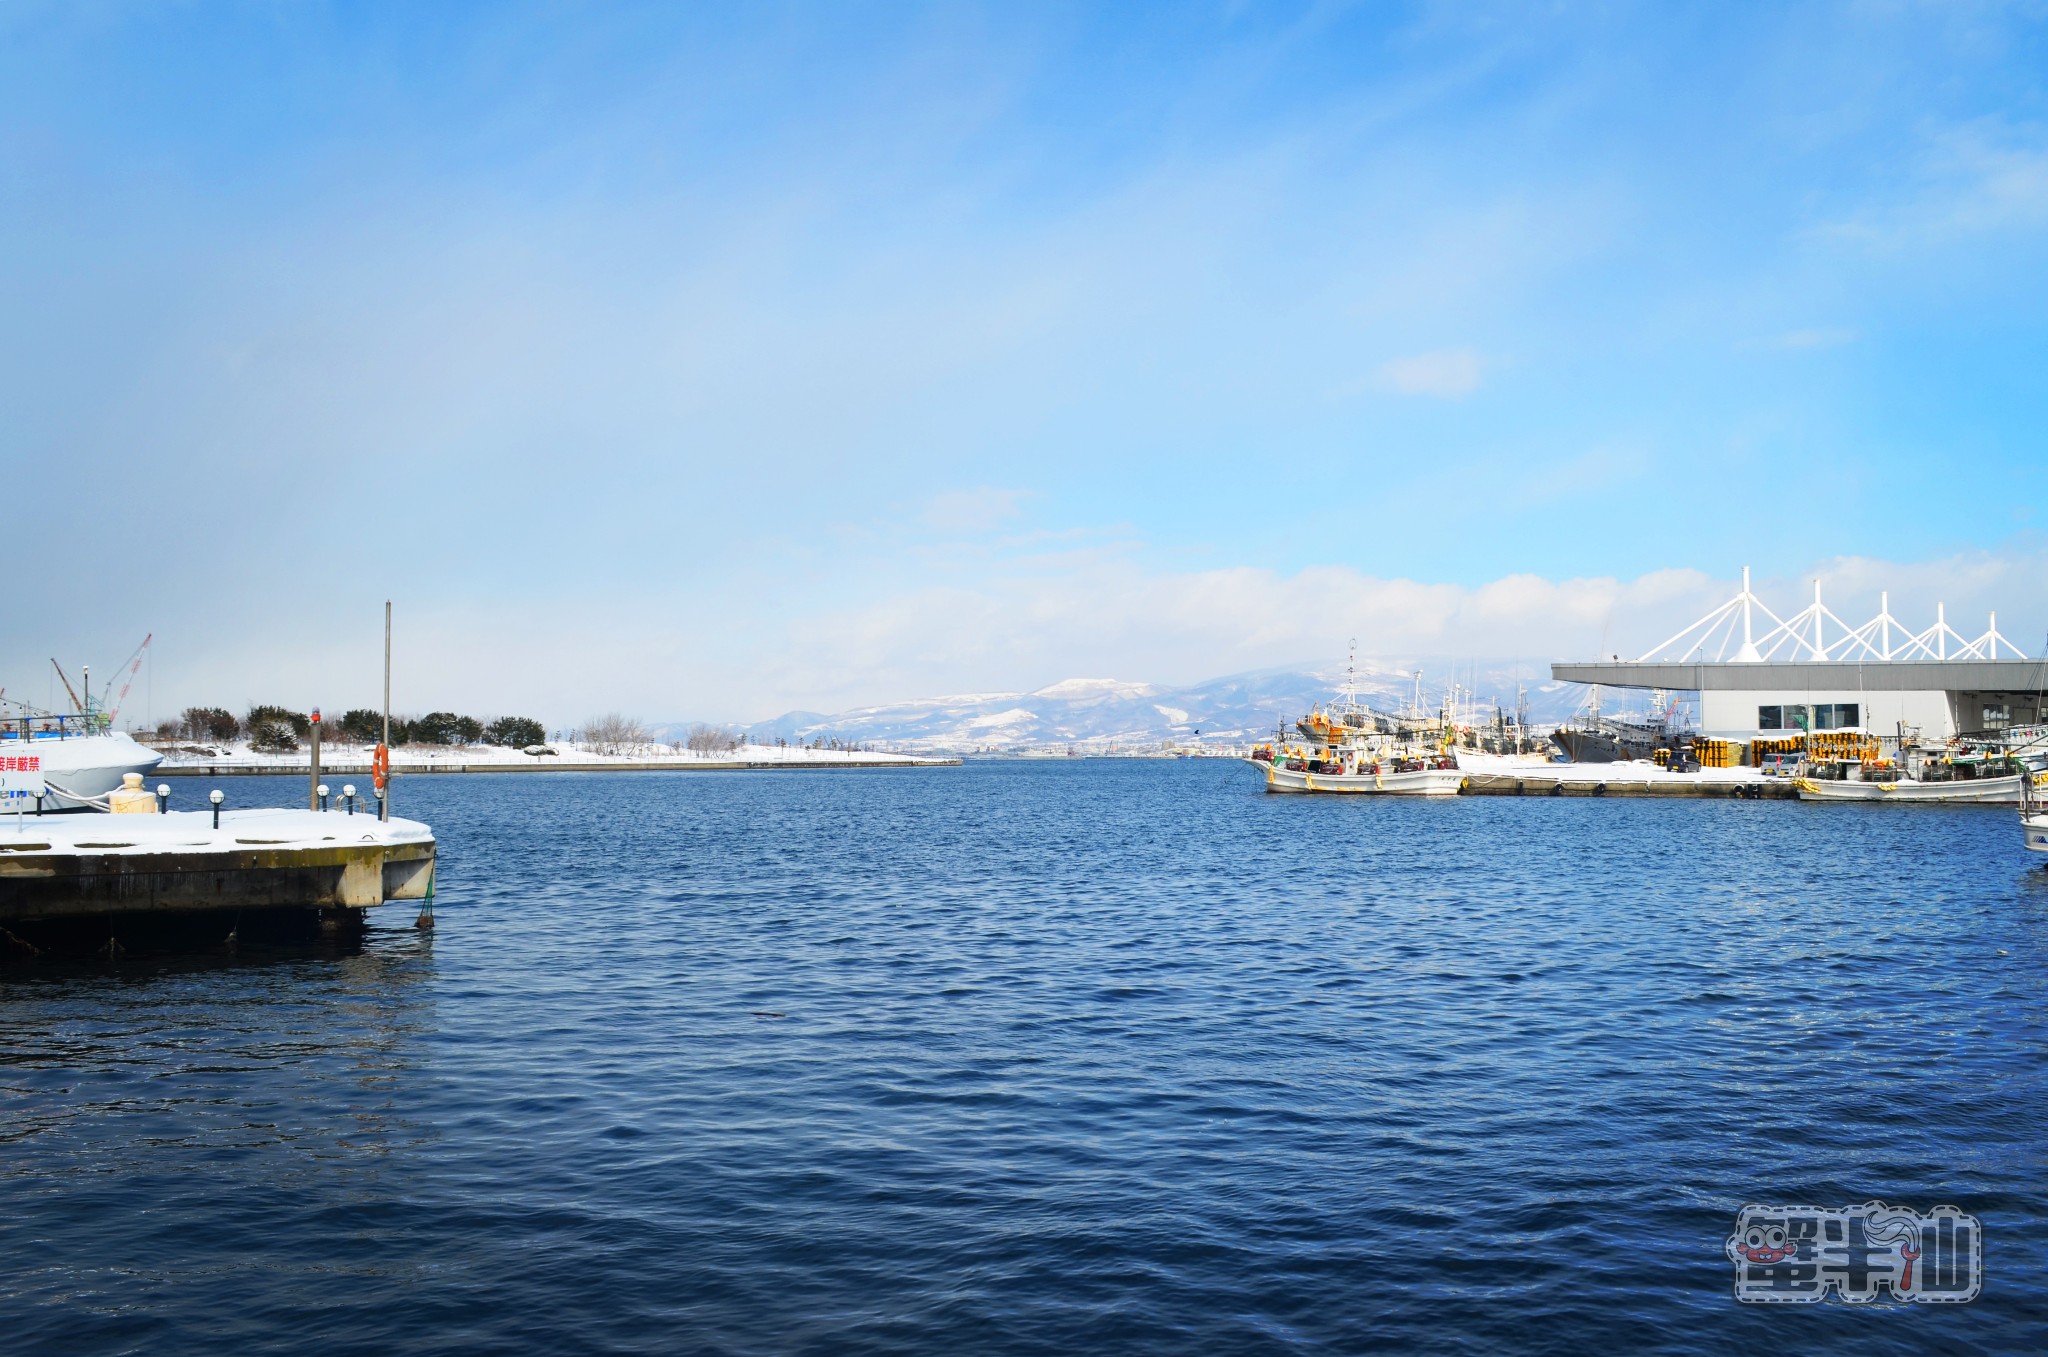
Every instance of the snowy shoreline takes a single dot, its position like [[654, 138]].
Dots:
[[347, 760]]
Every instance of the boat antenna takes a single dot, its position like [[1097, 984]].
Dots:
[[1351, 679]]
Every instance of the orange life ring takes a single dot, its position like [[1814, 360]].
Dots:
[[380, 767]]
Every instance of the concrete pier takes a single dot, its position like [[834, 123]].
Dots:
[[59, 867], [1505, 776]]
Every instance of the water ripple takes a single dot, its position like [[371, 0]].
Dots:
[[1038, 1059]]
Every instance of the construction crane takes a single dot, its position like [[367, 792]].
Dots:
[[68, 689], [134, 664]]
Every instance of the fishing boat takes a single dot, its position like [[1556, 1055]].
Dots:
[[1359, 752], [79, 766], [2034, 816], [78, 756], [2034, 831], [1592, 737], [1963, 772], [2004, 790], [1373, 765], [2034, 823]]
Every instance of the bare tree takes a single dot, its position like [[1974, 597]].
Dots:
[[703, 739], [616, 734]]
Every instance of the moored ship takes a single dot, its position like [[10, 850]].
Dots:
[[1597, 738], [1609, 740], [1361, 769], [1358, 752], [78, 767], [1960, 770], [73, 759], [2034, 817]]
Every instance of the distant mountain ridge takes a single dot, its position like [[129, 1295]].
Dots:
[[1101, 714]]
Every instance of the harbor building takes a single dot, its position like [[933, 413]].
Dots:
[[1759, 675]]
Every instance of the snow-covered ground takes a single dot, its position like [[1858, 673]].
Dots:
[[1540, 767], [426, 758], [192, 831]]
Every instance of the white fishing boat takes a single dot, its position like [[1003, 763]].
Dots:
[[2034, 816], [1959, 772], [1355, 751], [1366, 775], [2005, 790], [2034, 828], [75, 758], [77, 769]]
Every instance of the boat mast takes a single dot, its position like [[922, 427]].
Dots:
[[384, 801]]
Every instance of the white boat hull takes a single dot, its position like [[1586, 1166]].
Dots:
[[1421, 782], [78, 766], [2034, 831], [1995, 790]]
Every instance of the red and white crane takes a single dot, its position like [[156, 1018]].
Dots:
[[134, 665]]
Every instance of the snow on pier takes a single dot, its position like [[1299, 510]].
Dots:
[[72, 865], [1532, 775]]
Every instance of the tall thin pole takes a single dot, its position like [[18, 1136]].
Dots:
[[1748, 622], [384, 802]]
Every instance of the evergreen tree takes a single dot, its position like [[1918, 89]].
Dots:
[[516, 732]]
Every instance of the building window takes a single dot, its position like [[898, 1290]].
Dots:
[[1819, 716], [1995, 716]]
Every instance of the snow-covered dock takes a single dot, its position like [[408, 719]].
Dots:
[[1508, 775], [59, 867]]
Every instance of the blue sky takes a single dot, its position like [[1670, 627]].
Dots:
[[708, 361]]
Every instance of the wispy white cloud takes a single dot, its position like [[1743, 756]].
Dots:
[[1116, 617], [2000, 175], [1015, 628], [1600, 471], [1444, 373], [976, 510], [708, 391], [1977, 178]]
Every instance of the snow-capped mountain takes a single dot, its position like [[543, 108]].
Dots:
[[1099, 714]]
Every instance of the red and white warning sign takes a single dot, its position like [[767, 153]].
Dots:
[[21, 774]]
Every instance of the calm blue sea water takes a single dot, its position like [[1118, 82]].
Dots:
[[1052, 1058]]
